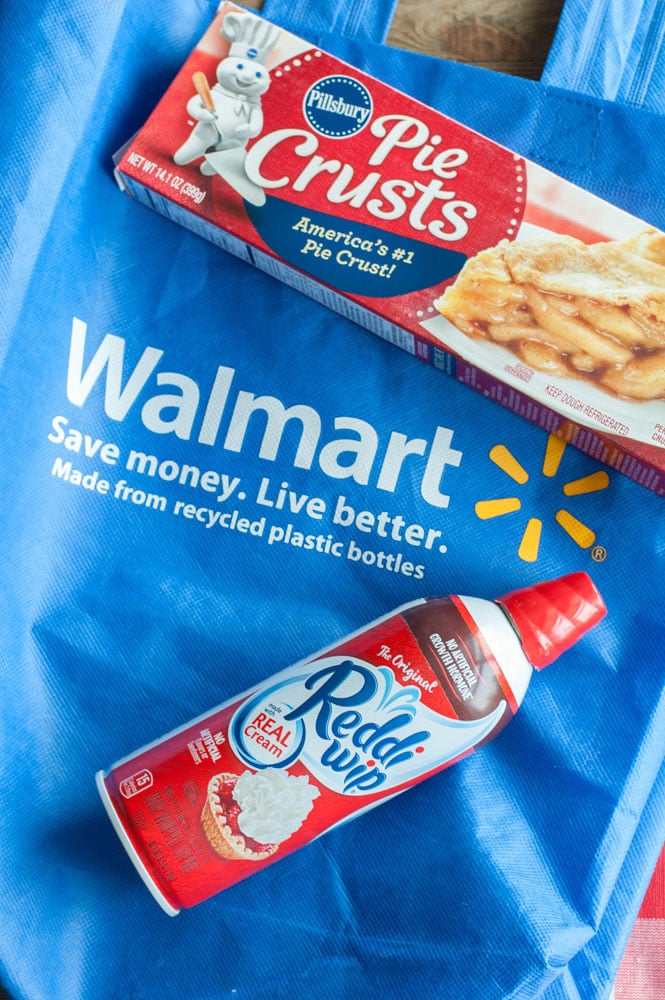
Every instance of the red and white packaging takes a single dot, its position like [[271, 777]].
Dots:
[[331, 737], [372, 203]]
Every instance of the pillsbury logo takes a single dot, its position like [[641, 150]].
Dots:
[[337, 106]]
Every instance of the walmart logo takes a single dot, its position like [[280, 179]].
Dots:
[[529, 543]]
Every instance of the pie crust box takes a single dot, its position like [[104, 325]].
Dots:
[[526, 288]]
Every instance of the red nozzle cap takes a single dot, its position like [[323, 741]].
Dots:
[[551, 616]]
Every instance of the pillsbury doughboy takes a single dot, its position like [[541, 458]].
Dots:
[[229, 113]]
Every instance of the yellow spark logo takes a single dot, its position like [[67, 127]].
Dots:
[[580, 533]]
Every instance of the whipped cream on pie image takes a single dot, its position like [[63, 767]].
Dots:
[[592, 312], [247, 816]]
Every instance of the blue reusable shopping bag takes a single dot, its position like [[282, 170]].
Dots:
[[515, 874], [613, 49]]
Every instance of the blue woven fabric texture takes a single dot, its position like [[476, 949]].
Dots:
[[518, 872], [612, 49], [364, 19]]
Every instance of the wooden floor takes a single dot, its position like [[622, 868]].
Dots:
[[512, 36]]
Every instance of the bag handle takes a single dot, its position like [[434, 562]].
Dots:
[[611, 49], [365, 19]]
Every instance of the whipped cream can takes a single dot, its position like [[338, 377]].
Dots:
[[334, 735]]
